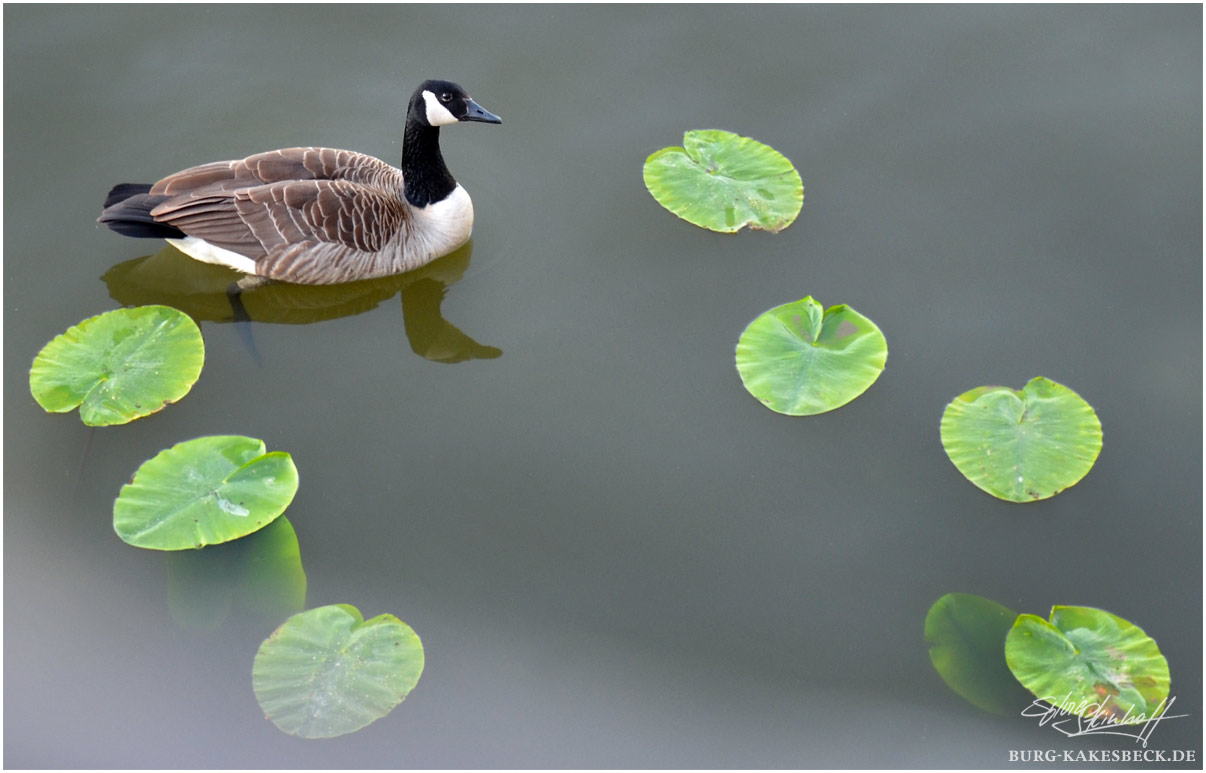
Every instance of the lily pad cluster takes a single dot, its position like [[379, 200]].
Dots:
[[1025, 445], [324, 672], [798, 359], [130, 363], [1087, 661]]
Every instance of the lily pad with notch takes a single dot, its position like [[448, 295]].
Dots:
[[327, 671], [1022, 445], [204, 491], [120, 365], [800, 359], [1090, 662], [724, 182]]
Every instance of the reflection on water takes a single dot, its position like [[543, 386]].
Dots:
[[966, 636], [430, 335], [171, 278]]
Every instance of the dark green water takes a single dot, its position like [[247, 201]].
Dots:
[[614, 555]]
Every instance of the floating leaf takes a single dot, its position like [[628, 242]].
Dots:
[[1088, 662], [326, 672], [800, 360], [203, 492], [120, 365], [966, 635], [723, 182], [1022, 445]]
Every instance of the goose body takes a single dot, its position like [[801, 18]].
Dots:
[[315, 215]]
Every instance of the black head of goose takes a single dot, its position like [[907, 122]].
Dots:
[[315, 215]]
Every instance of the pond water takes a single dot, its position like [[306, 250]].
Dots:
[[538, 453]]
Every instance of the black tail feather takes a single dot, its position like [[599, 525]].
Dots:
[[123, 191], [128, 212]]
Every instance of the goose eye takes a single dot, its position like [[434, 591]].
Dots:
[[445, 97]]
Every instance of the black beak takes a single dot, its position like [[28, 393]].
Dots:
[[476, 112]]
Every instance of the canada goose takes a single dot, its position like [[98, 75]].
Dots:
[[315, 215]]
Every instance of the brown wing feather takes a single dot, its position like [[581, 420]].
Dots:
[[280, 166], [344, 213], [286, 208], [213, 218]]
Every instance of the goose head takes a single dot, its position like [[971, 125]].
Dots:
[[440, 103]]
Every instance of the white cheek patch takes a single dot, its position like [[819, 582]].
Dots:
[[437, 114]]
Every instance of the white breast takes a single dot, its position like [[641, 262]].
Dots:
[[440, 227]]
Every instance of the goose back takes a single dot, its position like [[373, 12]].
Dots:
[[305, 215]]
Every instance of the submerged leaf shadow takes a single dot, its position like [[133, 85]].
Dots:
[[260, 576], [171, 278], [966, 634]]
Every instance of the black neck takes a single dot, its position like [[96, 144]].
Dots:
[[427, 178]]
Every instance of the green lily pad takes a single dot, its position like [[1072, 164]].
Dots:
[[966, 635], [120, 365], [800, 360], [203, 492], [1023, 445], [327, 671], [723, 182], [1088, 662]]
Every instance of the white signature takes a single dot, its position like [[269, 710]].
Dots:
[[1094, 718]]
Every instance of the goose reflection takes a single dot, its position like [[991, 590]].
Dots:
[[171, 278]]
